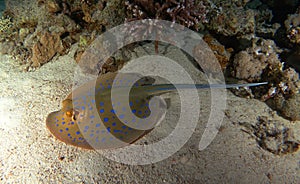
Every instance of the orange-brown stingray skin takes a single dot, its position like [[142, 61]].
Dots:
[[63, 124], [57, 117]]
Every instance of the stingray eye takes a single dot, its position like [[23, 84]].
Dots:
[[74, 115], [69, 113]]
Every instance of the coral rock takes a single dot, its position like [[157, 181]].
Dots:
[[46, 48], [288, 108], [246, 67], [221, 53], [249, 64], [233, 21]]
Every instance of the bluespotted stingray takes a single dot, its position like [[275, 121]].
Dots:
[[90, 121]]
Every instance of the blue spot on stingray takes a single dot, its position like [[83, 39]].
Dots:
[[114, 124], [91, 135], [67, 129], [62, 118], [69, 135], [130, 128], [63, 123], [97, 140], [86, 127], [105, 120], [101, 103], [93, 101], [77, 132], [108, 129], [121, 116], [130, 104], [80, 138], [92, 116], [60, 130], [57, 125], [123, 108], [103, 140], [133, 111], [72, 123], [98, 125], [124, 127], [101, 111], [83, 107], [116, 131], [85, 130], [97, 132], [113, 111], [139, 112], [90, 108]]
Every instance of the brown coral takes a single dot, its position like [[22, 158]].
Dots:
[[221, 53], [44, 50]]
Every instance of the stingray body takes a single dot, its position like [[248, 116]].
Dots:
[[88, 120]]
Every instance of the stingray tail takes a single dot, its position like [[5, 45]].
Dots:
[[165, 88]]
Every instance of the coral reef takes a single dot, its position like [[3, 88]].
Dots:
[[233, 21], [292, 25], [66, 19], [190, 13], [5, 25], [261, 63], [250, 64]]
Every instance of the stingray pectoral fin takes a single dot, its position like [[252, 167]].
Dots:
[[51, 120], [65, 131]]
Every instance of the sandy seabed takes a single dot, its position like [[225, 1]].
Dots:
[[30, 154]]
